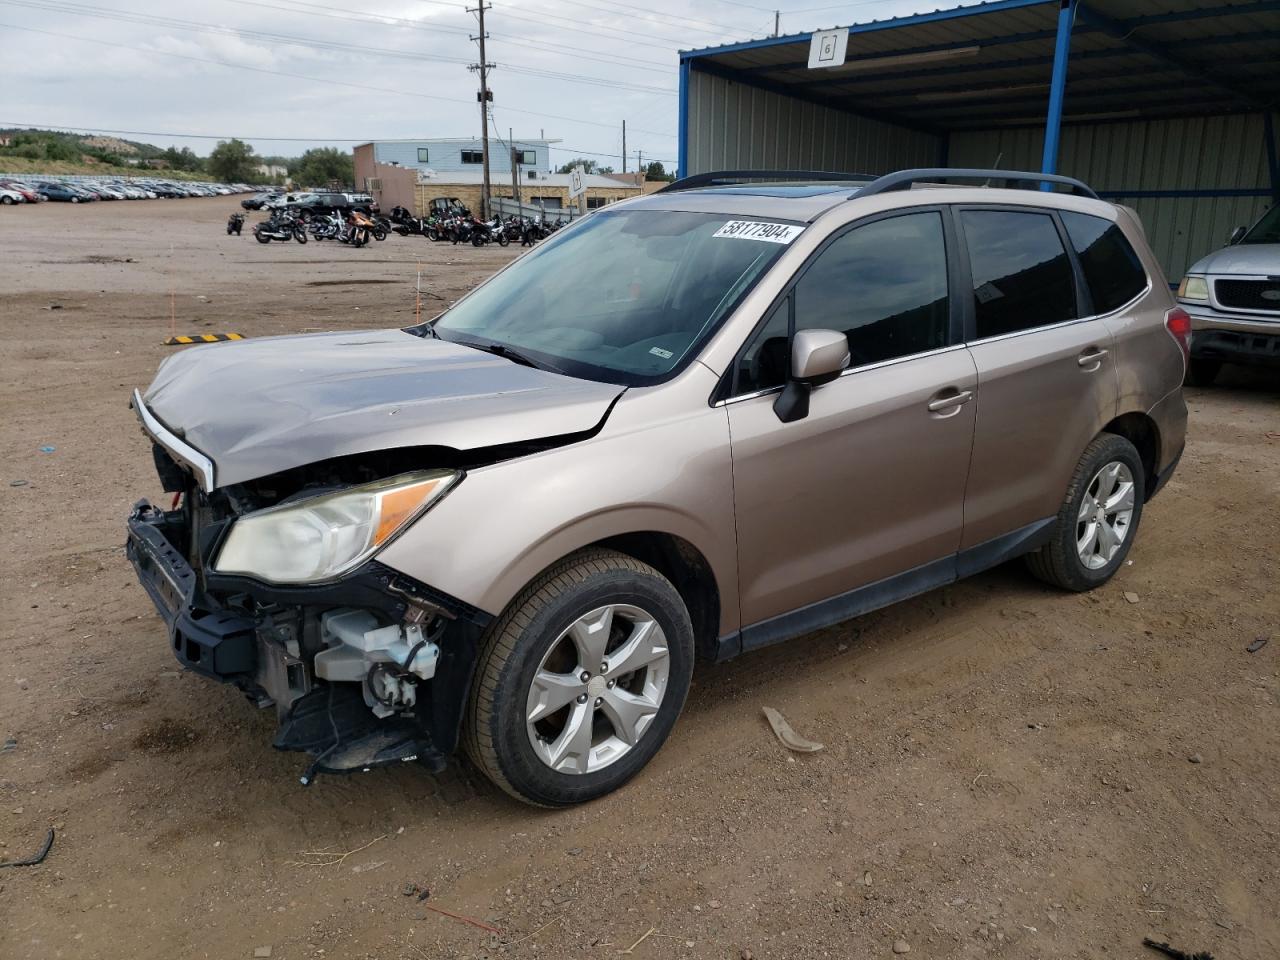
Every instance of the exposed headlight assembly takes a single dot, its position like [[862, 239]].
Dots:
[[1193, 288], [323, 537]]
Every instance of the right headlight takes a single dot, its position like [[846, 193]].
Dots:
[[1193, 287], [323, 537]]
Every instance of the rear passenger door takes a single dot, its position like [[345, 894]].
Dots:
[[1046, 376]]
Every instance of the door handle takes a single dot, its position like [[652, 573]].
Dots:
[[1091, 358], [950, 400]]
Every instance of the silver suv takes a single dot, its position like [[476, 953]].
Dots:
[[1233, 297], [692, 424]]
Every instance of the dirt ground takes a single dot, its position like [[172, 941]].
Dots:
[[1009, 771]]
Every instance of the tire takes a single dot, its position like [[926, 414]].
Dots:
[[531, 633], [503, 240], [75, 199], [261, 236], [379, 234], [300, 233], [7, 201], [1202, 373], [1060, 562]]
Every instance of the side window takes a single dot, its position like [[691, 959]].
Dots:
[[884, 285], [1021, 275], [765, 361], [1112, 270], [423, 154]]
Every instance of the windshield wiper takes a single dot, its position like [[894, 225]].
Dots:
[[515, 356]]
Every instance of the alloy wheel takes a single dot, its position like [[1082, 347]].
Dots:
[[1106, 511], [598, 688]]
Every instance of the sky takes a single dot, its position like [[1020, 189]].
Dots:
[[287, 75]]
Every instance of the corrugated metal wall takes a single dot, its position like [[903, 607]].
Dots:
[[733, 126], [1192, 155]]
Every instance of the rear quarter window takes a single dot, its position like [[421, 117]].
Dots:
[[1112, 271]]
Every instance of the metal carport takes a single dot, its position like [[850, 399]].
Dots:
[[1165, 106]]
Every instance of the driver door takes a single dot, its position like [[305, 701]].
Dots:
[[861, 502]]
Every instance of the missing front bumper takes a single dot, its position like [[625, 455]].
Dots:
[[253, 635]]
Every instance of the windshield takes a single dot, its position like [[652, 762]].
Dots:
[[623, 296], [1266, 230]]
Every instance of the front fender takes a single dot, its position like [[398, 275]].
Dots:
[[659, 465]]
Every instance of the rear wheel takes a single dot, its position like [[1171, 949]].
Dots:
[[1202, 373], [580, 680], [1098, 519], [261, 236]]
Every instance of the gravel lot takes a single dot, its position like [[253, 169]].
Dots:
[[1008, 772]]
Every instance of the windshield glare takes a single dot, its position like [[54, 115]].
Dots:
[[623, 296], [1266, 230]]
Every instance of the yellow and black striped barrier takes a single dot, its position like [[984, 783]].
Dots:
[[202, 338]]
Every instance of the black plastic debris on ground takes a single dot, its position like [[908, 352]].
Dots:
[[38, 858], [1257, 645], [1174, 952]]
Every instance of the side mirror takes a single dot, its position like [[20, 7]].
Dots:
[[817, 357], [1236, 236]]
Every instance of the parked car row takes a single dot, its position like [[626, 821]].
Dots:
[[15, 190], [308, 204]]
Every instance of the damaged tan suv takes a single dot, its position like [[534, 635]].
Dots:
[[692, 424]]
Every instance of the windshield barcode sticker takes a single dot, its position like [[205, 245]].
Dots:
[[755, 230]]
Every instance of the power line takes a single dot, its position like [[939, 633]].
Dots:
[[81, 9], [386, 20], [77, 128], [300, 76], [630, 36], [717, 28]]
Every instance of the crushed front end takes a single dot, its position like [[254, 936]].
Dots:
[[366, 668]]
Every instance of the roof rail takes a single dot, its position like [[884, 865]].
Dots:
[[904, 179], [729, 177]]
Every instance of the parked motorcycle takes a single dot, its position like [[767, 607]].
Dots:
[[359, 229], [280, 226], [330, 227], [234, 223]]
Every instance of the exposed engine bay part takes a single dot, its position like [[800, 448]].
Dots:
[[388, 661]]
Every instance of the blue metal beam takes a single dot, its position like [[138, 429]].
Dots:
[[994, 6], [1057, 89], [682, 125]]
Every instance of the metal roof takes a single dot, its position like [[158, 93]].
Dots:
[[988, 65]]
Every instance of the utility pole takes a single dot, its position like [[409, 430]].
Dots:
[[624, 146], [640, 164], [484, 96], [515, 167], [777, 17]]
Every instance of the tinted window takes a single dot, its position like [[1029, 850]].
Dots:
[[1021, 275], [884, 285], [1112, 270], [764, 363]]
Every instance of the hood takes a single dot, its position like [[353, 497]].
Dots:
[[1243, 258], [256, 407]]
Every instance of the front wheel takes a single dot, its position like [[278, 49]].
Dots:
[[1098, 520], [300, 233], [581, 680], [261, 236], [379, 233], [7, 201]]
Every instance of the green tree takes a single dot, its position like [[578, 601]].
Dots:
[[232, 161], [656, 171], [588, 166], [184, 159], [319, 167]]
